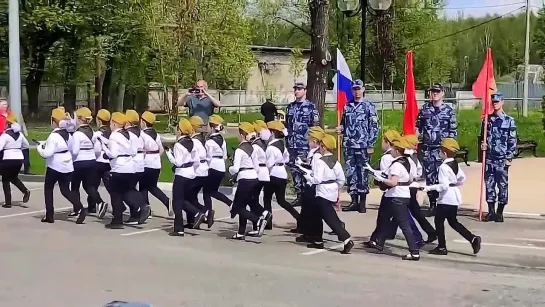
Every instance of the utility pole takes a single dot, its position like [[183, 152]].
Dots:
[[14, 61], [526, 62]]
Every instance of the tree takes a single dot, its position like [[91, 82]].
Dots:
[[539, 35]]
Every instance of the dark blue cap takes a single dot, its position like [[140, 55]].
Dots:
[[299, 85], [358, 84], [497, 97], [437, 87]]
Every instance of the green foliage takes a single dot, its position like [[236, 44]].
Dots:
[[296, 63], [539, 35]]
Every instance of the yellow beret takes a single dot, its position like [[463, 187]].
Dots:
[[317, 128], [316, 134], [260, 125], [215, 119], [120, 118], [104, 115], [58, 114], [401, 142], [329, 142], [196, 121], [411, 139], [391, 135], [450, 144], [246, 127], [276, 125], [84, 112], [132, 116], [148, 117], [185, 126], [11, 118]]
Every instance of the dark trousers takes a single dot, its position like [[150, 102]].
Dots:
[[398, 209], [310, 221], [416, 212], [102, 173], [211, 189], [277, 186], [85, 172], [26, 160], [243, 198], [255, 207], [329, 215], [53, 177], [148, 183], [123, 189], [10, 174], [180, 203], [449, 213], [192, 195]]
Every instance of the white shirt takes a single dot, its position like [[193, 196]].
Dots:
[[182, 159], [398, 170], [242, 160], [121, 152], [12, 147], [200, 163], [386, 160], [100, 158], [260, 163], [214, 152], [56, 152], [321, 173], [274, 156], [152, 149], [83, 148], [137, 144], [449, 195]]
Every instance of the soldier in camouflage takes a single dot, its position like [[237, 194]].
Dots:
[[501, 145], [359, 128], [300, 116], [435, 122]]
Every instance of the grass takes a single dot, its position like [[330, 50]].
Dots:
[[469, 125]]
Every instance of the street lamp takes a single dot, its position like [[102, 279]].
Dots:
[[351, 8]]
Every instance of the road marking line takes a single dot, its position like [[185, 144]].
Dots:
[[521, 213], [504, 245], [318, 251], [528, 239], [32, 212], [167, 227]]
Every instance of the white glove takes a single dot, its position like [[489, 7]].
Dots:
[[379, 178], [298, 161], [368, 167], [415, 185]]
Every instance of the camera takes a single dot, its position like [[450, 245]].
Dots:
[[195, 91]]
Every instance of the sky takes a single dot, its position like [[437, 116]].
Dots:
[[482, 7]]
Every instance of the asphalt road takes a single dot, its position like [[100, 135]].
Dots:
[[65, 264]]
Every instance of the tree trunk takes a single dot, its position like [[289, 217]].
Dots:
[[107, 85], [33, 82], [318, 64]]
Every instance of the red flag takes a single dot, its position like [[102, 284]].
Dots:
[[485, 85], [411, 107]]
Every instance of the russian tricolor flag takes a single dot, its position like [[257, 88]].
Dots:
[[342, 83]]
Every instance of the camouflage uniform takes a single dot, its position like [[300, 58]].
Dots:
[[501, 140], [359, 127], [300, 116], [433, 125]]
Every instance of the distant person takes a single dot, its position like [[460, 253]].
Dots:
[[4, 113], [269, 111], [199, 101]]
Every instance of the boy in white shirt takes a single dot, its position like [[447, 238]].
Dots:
[[450, 178]]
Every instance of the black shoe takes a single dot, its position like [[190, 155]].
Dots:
[[131, 221], [145, 212], [439, 251], [210, 218], [269, 225], [176, 234], [81, 216], [103, 208], [46, 219], [499, 213], [6, 206], [73, 213], [499, 218], [362, 203], [113, 225], [238, 237], [490, 217], [297, 202], [303, 239], [368, 244], [316, 245], [26, 197], [347, 247], [353, 205], [476, 244], [198, 220], [411, 257], [431, 239], [376, 246]]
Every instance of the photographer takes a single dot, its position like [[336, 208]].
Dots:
[[199, 102]]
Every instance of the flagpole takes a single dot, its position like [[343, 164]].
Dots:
[[338, 204], [485, 132]]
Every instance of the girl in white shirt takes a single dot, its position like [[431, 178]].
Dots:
[[103, 162], [12, 142], [277, 157], [450, 178], [396, 200]]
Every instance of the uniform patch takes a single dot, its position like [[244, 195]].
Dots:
[[374, 119], [316, 118]]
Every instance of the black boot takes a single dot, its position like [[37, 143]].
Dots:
[[362, 203], [353, 205], [499, 213], [432, 196], [491, 216]]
